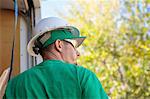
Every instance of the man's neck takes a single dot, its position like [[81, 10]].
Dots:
[[52, 56]]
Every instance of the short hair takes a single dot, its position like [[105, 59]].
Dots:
[[42, 51]]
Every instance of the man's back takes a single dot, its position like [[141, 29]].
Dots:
[[55, 79]]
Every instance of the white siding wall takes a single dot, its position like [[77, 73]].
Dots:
[[23, 45]]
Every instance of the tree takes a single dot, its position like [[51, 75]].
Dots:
[[117, 48]]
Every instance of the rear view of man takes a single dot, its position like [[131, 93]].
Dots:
[[58, 76]]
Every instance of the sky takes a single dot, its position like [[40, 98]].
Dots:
[[51, 7]]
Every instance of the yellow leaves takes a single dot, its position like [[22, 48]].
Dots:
[[145, 47], [104, 54], [135, 70]]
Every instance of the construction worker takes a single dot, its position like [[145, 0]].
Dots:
[[58, 76]]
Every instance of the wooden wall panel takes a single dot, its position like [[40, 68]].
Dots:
[[6, 37]]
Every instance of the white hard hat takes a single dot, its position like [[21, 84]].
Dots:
[[49, 24]]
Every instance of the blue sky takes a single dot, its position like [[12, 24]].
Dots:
[[51, 7]]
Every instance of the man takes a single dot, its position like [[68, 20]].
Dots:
[[58, 76]]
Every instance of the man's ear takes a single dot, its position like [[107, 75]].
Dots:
[[59, 45]]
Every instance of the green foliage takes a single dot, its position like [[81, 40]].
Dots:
[[117, 47]]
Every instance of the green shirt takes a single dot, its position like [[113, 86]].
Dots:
[[55, 79]]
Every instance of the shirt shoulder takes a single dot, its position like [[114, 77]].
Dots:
[[90, 84]]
